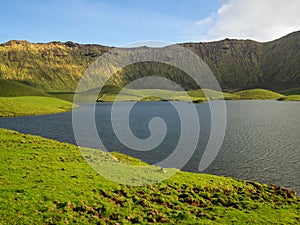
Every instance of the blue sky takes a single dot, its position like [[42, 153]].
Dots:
[[104, 22], [116, 23]]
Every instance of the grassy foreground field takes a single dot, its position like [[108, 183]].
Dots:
[[32, 105], [48, 182]]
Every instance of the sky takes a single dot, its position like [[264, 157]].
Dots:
[[117, 23]]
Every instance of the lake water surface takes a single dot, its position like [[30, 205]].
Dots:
[[262, 139]]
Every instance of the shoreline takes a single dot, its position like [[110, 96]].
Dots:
[[19, 110], [53, 182], [128, 158]]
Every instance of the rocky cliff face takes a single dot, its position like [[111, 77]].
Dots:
[[237, 64], [246, 64]]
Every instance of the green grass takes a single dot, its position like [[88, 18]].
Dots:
[[159, 94], [212, 95], [32, 102], [258, 94], [67, 96], [48, 182], [10, 88], [290, 98], [110, 92], [152, 99], [195, 95], [32, 105]]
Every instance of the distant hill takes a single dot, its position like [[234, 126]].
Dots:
[[237, 64]]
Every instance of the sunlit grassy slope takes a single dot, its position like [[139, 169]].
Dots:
[[31, 101], [32, 105], [110, 94], [258, 94], [48, 182], [290, 98], [195, 95], [158, 95]]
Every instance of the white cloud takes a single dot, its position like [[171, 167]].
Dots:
[[261, 20]]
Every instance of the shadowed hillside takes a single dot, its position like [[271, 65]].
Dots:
[[246, 64], [10, 88]]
